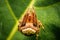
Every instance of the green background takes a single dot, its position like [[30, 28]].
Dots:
[[47, 11]]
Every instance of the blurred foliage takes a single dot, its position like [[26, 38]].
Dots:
[[43, 3], [47, 11], [7, 19]]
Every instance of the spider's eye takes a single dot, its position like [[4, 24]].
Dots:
[[34, 24], [23, 24]]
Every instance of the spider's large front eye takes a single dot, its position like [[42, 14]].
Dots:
[[34, 24], [23, 24]]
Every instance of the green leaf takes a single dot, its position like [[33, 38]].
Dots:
[[43, 3], [18, 6], [49, 15], [10, 12], [47, 11], [6, 21]]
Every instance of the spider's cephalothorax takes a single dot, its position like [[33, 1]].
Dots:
[[29, 25]]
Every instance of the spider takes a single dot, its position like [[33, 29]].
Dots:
[[30, 25]]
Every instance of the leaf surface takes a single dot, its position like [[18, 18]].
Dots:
[[47, 11]]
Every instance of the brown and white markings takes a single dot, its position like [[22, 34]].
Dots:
[[29, 25]]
